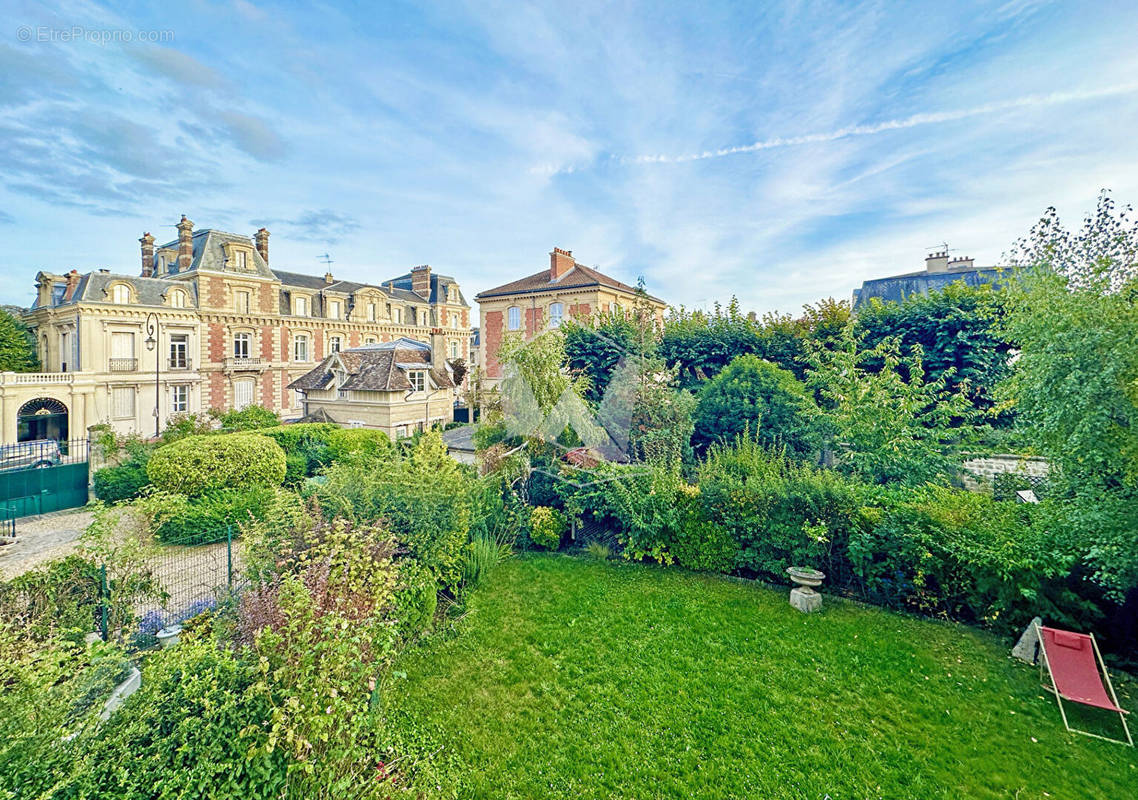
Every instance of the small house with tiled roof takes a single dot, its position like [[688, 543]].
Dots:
[[398, 387], [533, 304]]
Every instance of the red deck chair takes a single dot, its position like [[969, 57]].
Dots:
[[1074, 662]]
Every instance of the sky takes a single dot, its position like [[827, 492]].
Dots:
[[777, 152]]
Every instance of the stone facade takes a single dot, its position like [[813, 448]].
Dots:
[[221, 328], [979, 472], [532, 305]]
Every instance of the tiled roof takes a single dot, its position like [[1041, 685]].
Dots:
[[374, 368], [579, 276]]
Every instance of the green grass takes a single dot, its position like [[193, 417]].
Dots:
[[575, 678]]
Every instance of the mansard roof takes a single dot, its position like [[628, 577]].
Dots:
[[374, 368], [95, 287]]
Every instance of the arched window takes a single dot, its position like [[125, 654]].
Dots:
[[120, 294], [514, 318], [556, 313], [177, 298]]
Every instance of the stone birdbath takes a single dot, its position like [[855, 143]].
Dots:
[[803, 597]]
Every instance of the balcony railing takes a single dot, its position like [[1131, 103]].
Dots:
[[179, 362], [245, 364], [123, 364]]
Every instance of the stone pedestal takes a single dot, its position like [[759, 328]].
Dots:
[[805, 599]]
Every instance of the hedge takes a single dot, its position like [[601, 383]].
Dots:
[[214, 516], [199, 464], [113, 484]]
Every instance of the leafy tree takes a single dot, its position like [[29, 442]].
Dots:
[[249, 418], [753, 395], [17, 345], [1074, 318], [594, 347], [958, 331], [885, 421]]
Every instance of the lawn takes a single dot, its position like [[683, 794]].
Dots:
[[571, 678]]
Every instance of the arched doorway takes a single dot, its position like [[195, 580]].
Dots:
[[42, 418]]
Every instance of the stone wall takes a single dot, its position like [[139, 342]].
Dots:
[[979, 472]]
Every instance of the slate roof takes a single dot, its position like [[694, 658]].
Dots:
[[438, 283], [898, 287], [209, 255], [94, 287], [579, 276], [374, 368]]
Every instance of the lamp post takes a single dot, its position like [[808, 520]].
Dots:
[[151, 345]]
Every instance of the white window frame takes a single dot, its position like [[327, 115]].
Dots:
[[177, 299], [242, 301], [300, 306], [240, 384], [298, 340], [335, 344], [246, 339], [120, 294], [119, 394], [333, 309], [556, 314], [514, 318], [179, 405]]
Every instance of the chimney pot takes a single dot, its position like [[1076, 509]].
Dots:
[[560, 262], [328, 278], [421, 280]]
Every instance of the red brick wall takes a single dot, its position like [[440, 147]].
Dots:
[[215, 340], [270, 300], [216, 398], [492, 325], [267, 342], [580, 310], [268, 398], [533, 321]]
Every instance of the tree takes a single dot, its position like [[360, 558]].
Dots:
[[17, 345], [1073, 315], [959, 332], [885, 422], [755, 397]]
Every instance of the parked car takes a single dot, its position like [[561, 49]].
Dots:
[[30, 455]]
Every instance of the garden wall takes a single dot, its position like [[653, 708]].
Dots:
[[979, 472]]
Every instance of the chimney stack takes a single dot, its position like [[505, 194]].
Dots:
[[328, 279], [961, 263], [261, 239], [185, 244], [147, 242], [937, 262], [560, 262], [421, 280], [72, 282]]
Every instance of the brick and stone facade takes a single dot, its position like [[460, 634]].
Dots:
[[230, 330]]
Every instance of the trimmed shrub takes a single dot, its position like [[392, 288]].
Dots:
[[349, 442], [114, 484], [210, 517], [309, 440], [701, 544], [249, 418], [546, 527], [196, 465]]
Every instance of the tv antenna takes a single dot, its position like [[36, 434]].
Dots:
[[325, 259], [942, 248]]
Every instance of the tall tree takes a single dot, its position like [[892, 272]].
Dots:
[[17, 345]]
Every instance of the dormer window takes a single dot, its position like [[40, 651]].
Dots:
[[300, 306], [242, 259], [418, 380], [120, 294], [333, 309], [177, 299]]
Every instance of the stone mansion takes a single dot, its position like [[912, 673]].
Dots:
[[207, 324]]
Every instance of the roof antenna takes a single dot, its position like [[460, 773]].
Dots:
[[325, 259]]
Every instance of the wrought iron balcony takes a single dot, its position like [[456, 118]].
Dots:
[[123, 365]]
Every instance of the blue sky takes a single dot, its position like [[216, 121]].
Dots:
[[780, 152]]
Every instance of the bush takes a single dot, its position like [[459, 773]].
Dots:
[[416, 597], [345, 443], [755, 397], [191, 729], [546, 527], [701, 544], [196, 465], [780, 512], [214, 516], [249, 418], [307, 440], [114, 484], [598, 550]]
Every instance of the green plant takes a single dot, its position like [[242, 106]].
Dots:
[[416, 597], [249, 418], [114, 484], [217, 515], [546, 527], [755, 397], [17, 345], [346, 443], [598, 550], [196, 465], [482, 555]]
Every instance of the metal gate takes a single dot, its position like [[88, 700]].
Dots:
[[43, 487]]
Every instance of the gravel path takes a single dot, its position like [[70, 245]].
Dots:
[[42, 538]]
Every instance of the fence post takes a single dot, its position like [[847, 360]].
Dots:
[[104, 595], [229, 556]]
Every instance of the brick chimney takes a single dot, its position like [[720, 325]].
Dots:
[[421, 280], [261, 239], [438, 349], [937, 262], [147, 242], [72, 282], [560, 262], [185, 244]]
